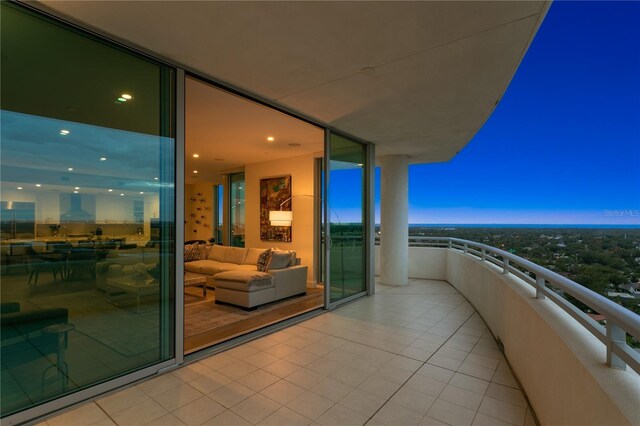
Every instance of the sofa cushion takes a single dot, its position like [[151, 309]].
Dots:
[[196, 265], [235, 255], [191, 252], [252, 256], [204, 251], [263, 260], [279, 260], [243, 280], [217, 253], [292, 254]]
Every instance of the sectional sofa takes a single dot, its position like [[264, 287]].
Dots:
[[233, 272]]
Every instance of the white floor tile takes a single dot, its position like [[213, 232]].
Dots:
[[283, 391], [177, 397], [331, 389], [450, 413], [310, 405], [281, 368], [228, 418], [392, 414], [199, 411], [139, 414], [341, 416], [502, 410], [362, 402], [461, 397], [83, 415], [122, 400], [285, 416], [258, 380], [256, 408], [413, 400], [231, 394]]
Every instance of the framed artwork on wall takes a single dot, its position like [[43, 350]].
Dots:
[[273, 191]]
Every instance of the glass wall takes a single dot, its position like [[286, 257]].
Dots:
[[87, 235], [218, 213], [347, 229], [236, 206]]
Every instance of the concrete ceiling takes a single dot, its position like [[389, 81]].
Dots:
[[416, 78]]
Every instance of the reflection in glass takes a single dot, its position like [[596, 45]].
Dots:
[[346, 218], [237, 209], [87, 211]]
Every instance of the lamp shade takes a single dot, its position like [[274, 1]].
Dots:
[[280, 218]]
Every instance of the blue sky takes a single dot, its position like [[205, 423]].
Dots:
[[563, 145]]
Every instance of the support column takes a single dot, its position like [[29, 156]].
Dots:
[[394, 220]]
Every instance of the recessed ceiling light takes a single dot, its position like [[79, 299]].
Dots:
[[122, 195], [70, 169], [38, 185], [271, 138], [196, 155], [126, 96], [77, 187], [103, 158], [110, 190], [19, 187], [75, 192], [64, 132], [195, 172], [141, 192]]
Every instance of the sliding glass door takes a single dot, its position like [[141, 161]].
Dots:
[[88, 216], [346, 224]]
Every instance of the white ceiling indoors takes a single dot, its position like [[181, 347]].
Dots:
[[416, 78], [227, 132]]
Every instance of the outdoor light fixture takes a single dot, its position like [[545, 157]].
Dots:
[[64, 132]]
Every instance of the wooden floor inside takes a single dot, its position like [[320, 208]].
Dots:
[[206, 323]]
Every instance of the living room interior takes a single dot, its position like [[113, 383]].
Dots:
[[247, 165]]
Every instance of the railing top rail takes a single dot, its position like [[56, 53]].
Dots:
[[611, 310]]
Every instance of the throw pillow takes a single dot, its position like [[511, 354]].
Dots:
[[292, 254], [191, 252], [279, 260], [263, 260]]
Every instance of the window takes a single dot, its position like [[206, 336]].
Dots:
[[87, 210]]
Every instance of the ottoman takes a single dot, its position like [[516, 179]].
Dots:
[[247, 289]]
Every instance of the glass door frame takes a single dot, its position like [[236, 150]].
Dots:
[[369, 220]]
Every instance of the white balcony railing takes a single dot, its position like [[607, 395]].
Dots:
[[619, 320]]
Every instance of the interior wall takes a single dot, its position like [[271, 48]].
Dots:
[[109, 209], [301, 170], [193, 231]]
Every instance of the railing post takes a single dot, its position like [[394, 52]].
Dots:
[[466, 248], [541, 283], [450, 245], [505, 264], [483, 254], [615, 335]]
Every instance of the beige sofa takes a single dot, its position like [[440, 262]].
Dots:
[[246, 287]]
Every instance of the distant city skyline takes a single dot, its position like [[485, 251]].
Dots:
[[563, 145]]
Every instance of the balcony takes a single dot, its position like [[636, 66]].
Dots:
[[409, 355], [573, 369]]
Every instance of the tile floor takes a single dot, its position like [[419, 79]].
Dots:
[[414, 355]]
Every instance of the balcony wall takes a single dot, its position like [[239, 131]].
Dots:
[[560, 365]]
